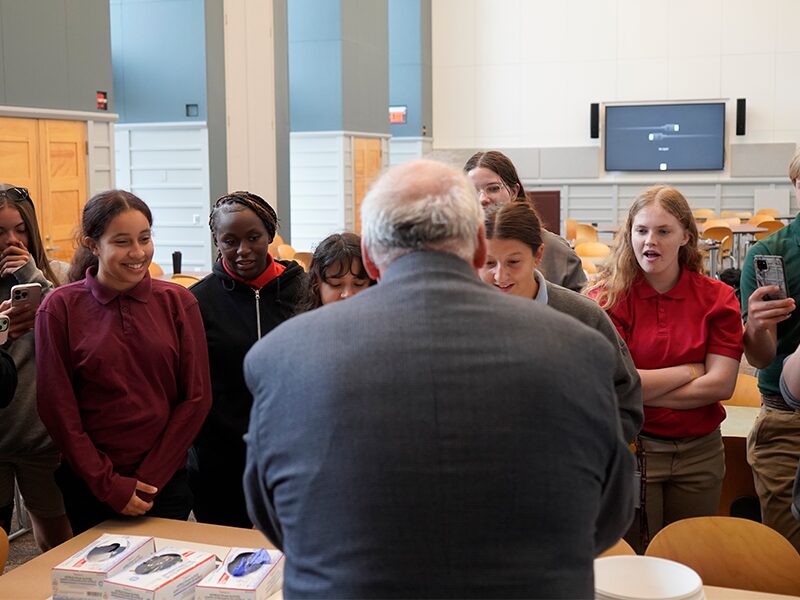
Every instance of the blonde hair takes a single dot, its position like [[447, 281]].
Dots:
[[621, 269], [794, 168]]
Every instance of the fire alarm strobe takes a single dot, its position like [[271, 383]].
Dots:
[[102, 100]]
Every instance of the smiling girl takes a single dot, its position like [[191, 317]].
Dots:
[[684, 332], [514, 243], [246, 296], [122, 365]]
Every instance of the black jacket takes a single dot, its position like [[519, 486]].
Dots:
[[232, 324], [8, 378]]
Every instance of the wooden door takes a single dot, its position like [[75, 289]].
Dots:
[[63, 183], [19, 156], [366, 168], [548, 205]]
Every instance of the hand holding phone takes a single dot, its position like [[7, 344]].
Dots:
[[5, 324], [21, 308]]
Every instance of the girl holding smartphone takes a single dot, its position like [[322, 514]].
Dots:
[[123, 384], [27, 454]]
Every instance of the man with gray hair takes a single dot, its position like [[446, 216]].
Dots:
[[432, 437]]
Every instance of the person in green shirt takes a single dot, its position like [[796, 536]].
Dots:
[[772, 332]]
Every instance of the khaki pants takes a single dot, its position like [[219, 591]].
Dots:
[[773, 449], [684, 479]]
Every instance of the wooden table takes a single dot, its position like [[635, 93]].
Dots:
[[738, 474], [32, 580]]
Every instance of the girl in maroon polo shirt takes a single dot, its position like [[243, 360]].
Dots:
[[684, 332], [122, 372]]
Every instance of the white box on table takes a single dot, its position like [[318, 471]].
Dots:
[[257, 585], [81, 576], [169, 574]]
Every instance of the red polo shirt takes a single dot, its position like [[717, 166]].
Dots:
[[122, 381], [697, 317]]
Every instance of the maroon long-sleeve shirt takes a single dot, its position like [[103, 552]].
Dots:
[[122, 381]]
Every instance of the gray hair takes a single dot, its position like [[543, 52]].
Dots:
[[420, 205]]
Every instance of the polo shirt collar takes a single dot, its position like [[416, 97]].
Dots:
[[678, 292], [104, 295], [541, 295]]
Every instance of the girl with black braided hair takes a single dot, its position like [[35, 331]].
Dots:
[[247, 294]]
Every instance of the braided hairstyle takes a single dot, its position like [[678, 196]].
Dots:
[[236, 201]]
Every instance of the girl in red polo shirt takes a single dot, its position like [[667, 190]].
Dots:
[[684, 332], [122, 372]]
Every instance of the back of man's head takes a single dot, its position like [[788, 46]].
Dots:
[[420, 205]]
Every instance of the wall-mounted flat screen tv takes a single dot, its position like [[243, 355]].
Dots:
[[665, 137]]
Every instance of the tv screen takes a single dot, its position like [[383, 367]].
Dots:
[[665, 137]]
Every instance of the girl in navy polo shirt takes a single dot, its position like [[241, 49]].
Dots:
[[684, 332], [122, 365]]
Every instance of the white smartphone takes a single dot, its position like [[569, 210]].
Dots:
[[5, 323], [26, 294]]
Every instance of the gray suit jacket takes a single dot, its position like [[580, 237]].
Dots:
[[432, 438]]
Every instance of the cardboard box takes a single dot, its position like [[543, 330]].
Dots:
[[169, 574], [258, 584], [81, 576]]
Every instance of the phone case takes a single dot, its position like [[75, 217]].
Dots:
[[769, 271], [26, 294]]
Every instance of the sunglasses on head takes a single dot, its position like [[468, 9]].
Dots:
[[16, 194]]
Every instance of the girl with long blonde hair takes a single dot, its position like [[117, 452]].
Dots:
[[684, 332]]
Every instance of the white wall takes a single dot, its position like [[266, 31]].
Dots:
[[250, 97], [516, 73], [166, 165]]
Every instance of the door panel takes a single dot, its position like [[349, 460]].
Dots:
[[19, 156], [366, 168], [63, 183]]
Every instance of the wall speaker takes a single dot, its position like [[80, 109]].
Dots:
[[594, 120], [741, 115]]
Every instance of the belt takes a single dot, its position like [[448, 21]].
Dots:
[[775, 401]]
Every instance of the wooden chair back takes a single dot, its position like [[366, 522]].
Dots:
[[155, 270], [758, 219], [592, 250], [772, 227], [774, 212], [621, 548], [3, 549], [715, 223], [184, 279], [732, 553], [286, 252], [303, 259], [746, 392], [584, 232], [735, 213], [570, 229], [703, 213], [588, 266]]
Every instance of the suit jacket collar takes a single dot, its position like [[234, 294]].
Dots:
[[424, 261]]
